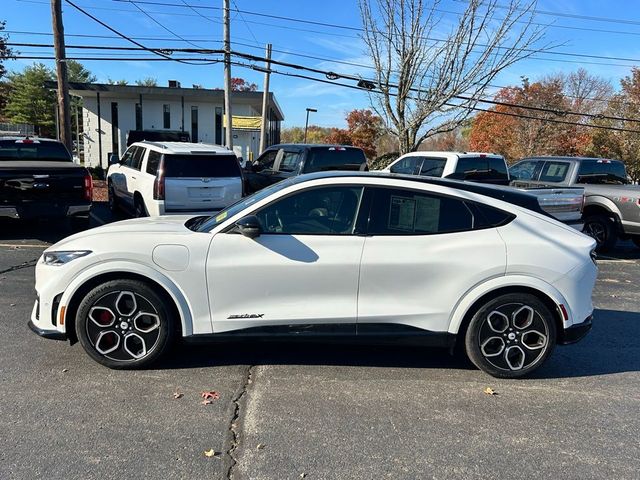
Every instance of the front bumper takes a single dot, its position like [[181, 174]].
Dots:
[[50, 334], [575, 332]]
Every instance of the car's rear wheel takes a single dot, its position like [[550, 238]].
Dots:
[[602, 229], [139, 208], [511, 335], [124, 324]]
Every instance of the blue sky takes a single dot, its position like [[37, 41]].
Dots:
[[617, 38]]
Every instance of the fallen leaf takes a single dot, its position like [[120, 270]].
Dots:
[[206, 402], [210, 453], [260, 446], [212, 395], [177, 395], [490, 391]]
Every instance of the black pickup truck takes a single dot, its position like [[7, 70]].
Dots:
[[38, 179]]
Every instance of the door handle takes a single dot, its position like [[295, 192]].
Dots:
[[133, 178]]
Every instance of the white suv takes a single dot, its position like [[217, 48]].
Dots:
[[163, 178]]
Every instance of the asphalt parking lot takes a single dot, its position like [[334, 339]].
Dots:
[[317, 412]]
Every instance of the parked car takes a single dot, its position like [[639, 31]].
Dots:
[[157, 136], [38, 179], [611, 205], [348, 255], [161, 178], [564, 204], [284, 161]]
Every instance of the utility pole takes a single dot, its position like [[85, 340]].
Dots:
[[306, 124], [265, 101], [227, 77], [64, 115]]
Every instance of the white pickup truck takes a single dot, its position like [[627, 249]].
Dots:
[[564, 203]]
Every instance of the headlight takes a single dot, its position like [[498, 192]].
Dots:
[[60, 258]]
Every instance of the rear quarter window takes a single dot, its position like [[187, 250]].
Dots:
[[153, 162], [201, 166]]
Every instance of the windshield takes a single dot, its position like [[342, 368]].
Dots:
[[20, 150], [208, 223]]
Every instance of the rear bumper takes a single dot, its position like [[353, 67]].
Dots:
[[575, 332], [50, 334], [45, 210]]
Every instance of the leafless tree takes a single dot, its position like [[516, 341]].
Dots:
[[424, 63]]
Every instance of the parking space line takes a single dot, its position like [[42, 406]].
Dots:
[[27, 245]]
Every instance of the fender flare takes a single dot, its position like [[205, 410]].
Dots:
[[127, 266], [477, 292], [603, 202]]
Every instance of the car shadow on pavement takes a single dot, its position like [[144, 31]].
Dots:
[[612, 346]]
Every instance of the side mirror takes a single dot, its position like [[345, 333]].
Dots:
[[113, 159], [249, 226]]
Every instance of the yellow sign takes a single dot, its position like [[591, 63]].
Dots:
[[244, 123]]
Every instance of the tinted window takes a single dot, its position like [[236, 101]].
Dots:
[[486, 216], [199, 166], [267, 159], [524, 170], [153, 162], [602, 171], [554, 171], [334, 158], [482, 168], [408, 165], [408, 212], [317, 211], [290, 161], [138, 156], [11, 150], [433, 166], [127, 158]]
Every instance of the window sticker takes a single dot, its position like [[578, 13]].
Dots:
[[221, 217], [402, 213]]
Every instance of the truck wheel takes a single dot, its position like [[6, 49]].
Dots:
[[603, 230], [113, 201], [140, 209]]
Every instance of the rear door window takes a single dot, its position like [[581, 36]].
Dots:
[[554, 172], [602, 171], [398, 211], [334, 158], [201, 166], [290, 161], [433, 167]]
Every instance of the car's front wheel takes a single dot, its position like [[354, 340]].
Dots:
[[511, 335], [124, 324]]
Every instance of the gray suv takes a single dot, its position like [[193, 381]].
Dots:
[[612, 204]]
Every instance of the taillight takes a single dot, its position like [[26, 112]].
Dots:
[[158, 186], [88, 187]]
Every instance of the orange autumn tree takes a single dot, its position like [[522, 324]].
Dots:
[[364, 128], [506, 128]]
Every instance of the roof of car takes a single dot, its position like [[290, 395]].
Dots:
[[506, 194], [185, 147], [445, 153], [35, 139], [577, 159], [312, 145]]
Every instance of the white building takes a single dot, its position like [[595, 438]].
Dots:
[[111, 111]]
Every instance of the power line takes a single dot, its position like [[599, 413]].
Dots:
[[244, 20]]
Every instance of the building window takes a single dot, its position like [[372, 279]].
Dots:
[[138, 116], [218, 125], [115, 131], [194, 124], [166, 117]]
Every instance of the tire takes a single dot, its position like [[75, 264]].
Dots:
[[139, 208], [603, 230], [511, 335], [112, 199], [124, 324], [636, 239]]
